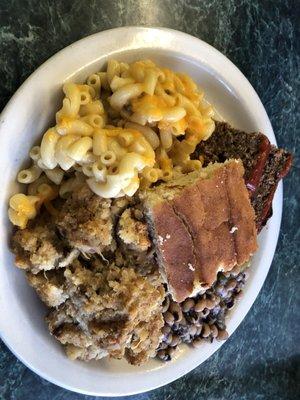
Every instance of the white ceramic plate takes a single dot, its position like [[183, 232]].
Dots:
[[30, 111]]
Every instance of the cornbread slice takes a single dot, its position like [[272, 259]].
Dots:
[[201, 223]]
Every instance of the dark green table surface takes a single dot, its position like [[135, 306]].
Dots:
[[261, 359]]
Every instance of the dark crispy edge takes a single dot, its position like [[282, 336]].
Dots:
[[257, 175], [283, 165]]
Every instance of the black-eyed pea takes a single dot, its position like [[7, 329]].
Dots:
[[200, 305], [193, 330], [214, 331], [223, 335], [187, 305], [175, 341], [166, 329], [210, 304], [162, 355], [205, 330], [169, 318], [197, 342], [231, 284], [175, 309], [221, 291]]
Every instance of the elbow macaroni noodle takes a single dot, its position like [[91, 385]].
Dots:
[[129, 126]]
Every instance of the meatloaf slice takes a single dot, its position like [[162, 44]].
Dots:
[[264, 164], [226, 142], [201, 223]]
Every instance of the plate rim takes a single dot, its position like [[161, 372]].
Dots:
[[278, 197]]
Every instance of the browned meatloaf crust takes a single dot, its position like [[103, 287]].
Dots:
[[277, 166], [264, 163]]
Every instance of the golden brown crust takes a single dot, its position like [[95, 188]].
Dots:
[[174, 246], [242, 214], [211, 227], [133, 233]]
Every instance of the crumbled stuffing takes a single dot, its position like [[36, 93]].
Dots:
[[110, 310], [49, 286], [133, 232], [85, 220], [38, 247]]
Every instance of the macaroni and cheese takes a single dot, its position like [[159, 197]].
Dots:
[[129, 126]]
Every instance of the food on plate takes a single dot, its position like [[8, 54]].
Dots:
[[202, 318], [141, 214], [264, 163], [110, 311], [39, 248], [119, 130], [85, 220], [201, 223]]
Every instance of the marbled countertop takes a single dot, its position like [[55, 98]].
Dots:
[[261, 359]]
